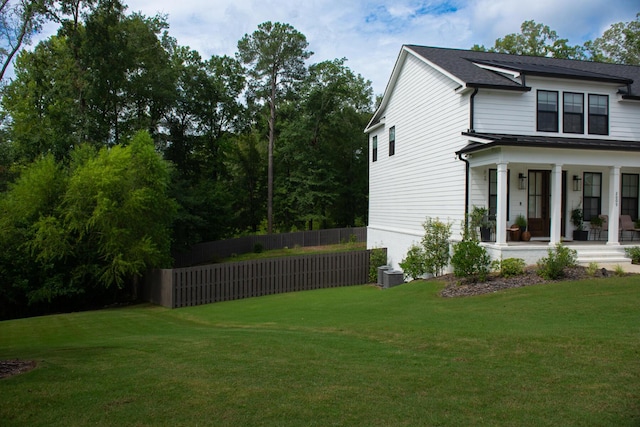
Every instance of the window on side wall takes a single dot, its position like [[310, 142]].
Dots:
[[374, 144], [629, 195], [599, 114], [547, 111], [392, 141], [573, 112], [592, 195]]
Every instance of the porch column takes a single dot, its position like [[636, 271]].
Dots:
[[556, 205], [501, 209], [614, 206]]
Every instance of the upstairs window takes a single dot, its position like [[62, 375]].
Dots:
[[547, 111], [629, 195], [374, 144], [599, 114], [392, 141], [592, 197], [573, 112]]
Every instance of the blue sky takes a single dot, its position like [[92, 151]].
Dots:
[[370, 33]]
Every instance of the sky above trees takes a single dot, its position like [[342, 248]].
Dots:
[[369, 33]]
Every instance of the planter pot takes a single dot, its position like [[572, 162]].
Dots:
[[523, 228], [526, 236], [580, 234]]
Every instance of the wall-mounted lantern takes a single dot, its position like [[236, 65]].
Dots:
[[577, 183], [522, 181]]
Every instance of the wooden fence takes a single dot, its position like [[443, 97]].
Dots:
[[206, 253], [191, 286]]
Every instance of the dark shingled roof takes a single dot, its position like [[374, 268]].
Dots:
[[460, 63], [497, 140]]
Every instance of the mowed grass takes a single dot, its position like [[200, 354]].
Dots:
[[549, 355]]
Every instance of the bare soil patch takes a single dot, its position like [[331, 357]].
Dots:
[[9, 368]]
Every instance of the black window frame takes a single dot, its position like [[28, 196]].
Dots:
[[551, 122], [572, 122], [592, 204], [493, 193], [374, 148], [629, 198], [392, 141], [596, 128]]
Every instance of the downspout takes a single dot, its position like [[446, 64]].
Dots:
[[468, 167]]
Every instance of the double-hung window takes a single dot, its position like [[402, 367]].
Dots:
[[573, 112], [592, 195], [493, 193], [629, 195], [374, 144], [547, 111], [599, 114], [392, 141]]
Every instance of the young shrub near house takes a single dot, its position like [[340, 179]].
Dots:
[[436, 245], [377, 258], [414, 265], [509, 267], [634, 254], [552, 267], [470, 260]]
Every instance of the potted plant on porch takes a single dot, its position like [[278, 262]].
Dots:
[[480, 219], [577, 219]]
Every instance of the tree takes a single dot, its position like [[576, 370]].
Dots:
[[19, 21], [322, 154], [275, 54], [620, 44], [535, 40]]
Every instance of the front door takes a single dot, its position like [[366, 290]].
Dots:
[[539, 203]]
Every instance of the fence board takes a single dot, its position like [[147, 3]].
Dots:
[[198, 285]]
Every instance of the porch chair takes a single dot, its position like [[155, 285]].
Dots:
[[627, 224]]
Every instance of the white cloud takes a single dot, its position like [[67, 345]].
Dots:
[[369, 33]]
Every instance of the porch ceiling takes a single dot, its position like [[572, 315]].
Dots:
[[507, 140]]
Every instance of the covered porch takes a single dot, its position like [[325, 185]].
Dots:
[[546, 180]]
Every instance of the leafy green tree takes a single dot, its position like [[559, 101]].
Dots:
[[620, 44], [535, 40], [275, 54], [76, 230], [322, 155]]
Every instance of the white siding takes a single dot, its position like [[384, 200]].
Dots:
[[515, 112], [423, 178]]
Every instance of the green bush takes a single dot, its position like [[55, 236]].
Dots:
[[414, 265], [258, 248], [510, 267], [470, 260], [592, 269], [552, 267], [436, 245], [634, 254], [377, 258]]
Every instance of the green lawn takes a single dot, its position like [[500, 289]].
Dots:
[[551, 355]]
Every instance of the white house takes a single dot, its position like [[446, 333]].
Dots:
[[515, 134]]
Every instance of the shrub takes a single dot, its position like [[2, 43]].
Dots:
[[258, 248], [552, 267], [470, 260], [510, 267], [414, 265], [377, 258], [618, 270], [634, 254], [592, 269], [436, 245]]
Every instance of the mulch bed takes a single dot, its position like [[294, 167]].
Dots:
[[457, 287], [9, 368]]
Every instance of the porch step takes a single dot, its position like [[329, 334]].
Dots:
[[602, 254]]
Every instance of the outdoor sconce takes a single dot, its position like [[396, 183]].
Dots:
[[577, 181], [522, 181]]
